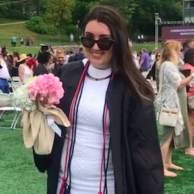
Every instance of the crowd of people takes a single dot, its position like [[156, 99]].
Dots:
[[113, 144], [172, 68], [26, 65]]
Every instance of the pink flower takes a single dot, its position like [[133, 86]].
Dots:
[[47, 88]]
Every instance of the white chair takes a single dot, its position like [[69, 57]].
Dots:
[[7, 105], [15, 85], [15, 79]]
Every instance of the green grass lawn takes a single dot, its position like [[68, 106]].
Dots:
[[18, 174], [18, 30], [8, 20], [35, 49]]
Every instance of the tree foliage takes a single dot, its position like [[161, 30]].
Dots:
[[139, 14], [144, 14], [59, 13], [125, 7], [81, 9], [37, 24]]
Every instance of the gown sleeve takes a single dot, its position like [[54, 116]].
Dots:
[[145, 150]]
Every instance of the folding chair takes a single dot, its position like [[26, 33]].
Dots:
[[15, 85], [15, 79], [7, 105]]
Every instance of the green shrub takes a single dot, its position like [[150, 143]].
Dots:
[[37, 24], [51, 30]]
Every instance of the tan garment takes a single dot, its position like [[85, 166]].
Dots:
[[36, 131]]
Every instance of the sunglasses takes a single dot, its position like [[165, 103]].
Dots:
[[103, 43]]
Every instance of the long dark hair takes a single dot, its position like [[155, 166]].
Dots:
[[122, 59], [189, 57]]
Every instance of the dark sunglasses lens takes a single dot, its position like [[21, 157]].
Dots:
[[104, 44], [87, 42]]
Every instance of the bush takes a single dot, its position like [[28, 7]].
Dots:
[[51, 29], [37, 24]]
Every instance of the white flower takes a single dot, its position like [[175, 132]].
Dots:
[[22, 99]]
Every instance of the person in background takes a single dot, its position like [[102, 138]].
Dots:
[[144, 60], [32, 40], [136, 59], [13, 41], [22, 40], [80, 55], [27, 41], [31, 62], [24, 71], [67, 57], [71, 56], [16, 58], [15, 64], [44, 66], [189, 64], [172, 94], [153, 56], [112, 145], [4, 76], [186, 45], [153, 72], [58, 60], [61, 56]]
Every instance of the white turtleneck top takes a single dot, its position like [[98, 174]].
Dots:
[[86, 161]]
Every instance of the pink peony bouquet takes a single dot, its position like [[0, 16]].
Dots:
[[37, 98], [46, 88]]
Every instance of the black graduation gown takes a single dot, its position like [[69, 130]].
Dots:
[[135, 147]]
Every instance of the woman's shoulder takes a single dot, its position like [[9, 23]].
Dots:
[[168, 63], [21, 66], [169, 66]]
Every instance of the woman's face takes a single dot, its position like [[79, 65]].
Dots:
[[158, 56], [99, 57], [179, 50], [51, 60]]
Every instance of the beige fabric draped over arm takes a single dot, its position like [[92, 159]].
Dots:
[[36, 131]]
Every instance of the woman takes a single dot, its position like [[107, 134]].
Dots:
[[153, 56], [152, 72], [24, 71], [189, 65], [112, 146], [4, 76], [14, 64], [172, 93], [43, 66], [31, 62], [135, 58]]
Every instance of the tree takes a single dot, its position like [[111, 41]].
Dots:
[[81, 9], [143, 16], [59, 13], [125, 7]]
